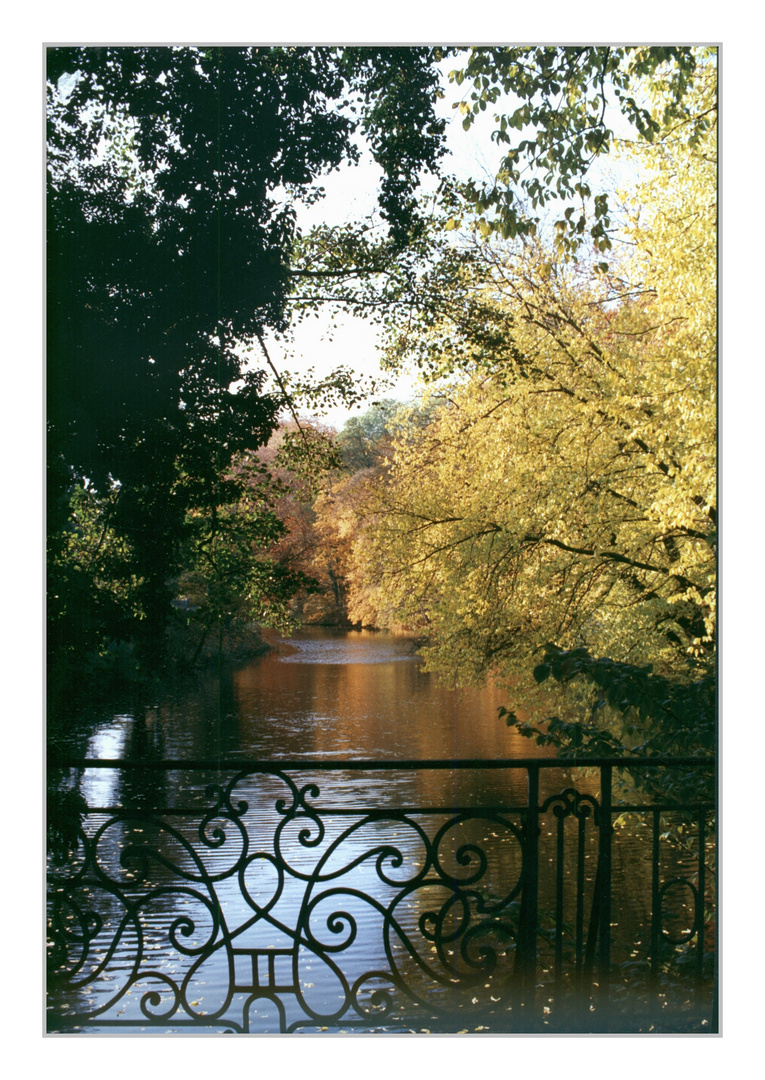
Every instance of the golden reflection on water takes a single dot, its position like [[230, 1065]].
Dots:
[[378, 703], [359, 695]]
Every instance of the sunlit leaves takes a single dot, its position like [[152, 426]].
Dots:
[[566, 492]]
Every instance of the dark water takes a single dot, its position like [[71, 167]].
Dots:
[[322, 695]]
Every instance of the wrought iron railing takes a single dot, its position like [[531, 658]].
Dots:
[[226, 896]]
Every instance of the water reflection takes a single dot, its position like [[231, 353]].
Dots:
[[327, 694]]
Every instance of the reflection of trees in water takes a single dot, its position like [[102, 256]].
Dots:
[[145, 745], [268, 708]]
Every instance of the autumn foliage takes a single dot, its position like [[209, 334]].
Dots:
[[566, 492]]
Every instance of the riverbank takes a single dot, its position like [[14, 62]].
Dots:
[[189, 653], [189, 646]]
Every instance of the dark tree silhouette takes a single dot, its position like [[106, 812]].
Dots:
[[173, 174]]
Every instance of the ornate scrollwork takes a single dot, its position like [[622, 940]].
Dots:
[[270, 907], [143, 871], [572, 803]]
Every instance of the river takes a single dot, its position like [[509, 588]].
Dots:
[[325, 694], [321, 695]]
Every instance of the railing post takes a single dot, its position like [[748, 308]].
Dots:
[[559, 897], [656, 918], [606, 829], [701, 897], [527, 928]]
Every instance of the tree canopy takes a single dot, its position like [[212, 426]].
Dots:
[[566, 494], [568, 100], [171, 221]]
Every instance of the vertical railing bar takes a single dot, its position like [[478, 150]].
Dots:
[[580, 901], [529, 897], [655, 900], [701, 901], [559, 900], [604, 951]]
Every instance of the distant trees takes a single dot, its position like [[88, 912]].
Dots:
[[321, 511], [364, 440]]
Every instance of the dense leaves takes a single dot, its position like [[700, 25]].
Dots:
[[658, 716], [566, 490]]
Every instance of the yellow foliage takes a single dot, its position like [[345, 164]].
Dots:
[[567, 492]]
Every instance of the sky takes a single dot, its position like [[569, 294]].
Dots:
[[350, 196]]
